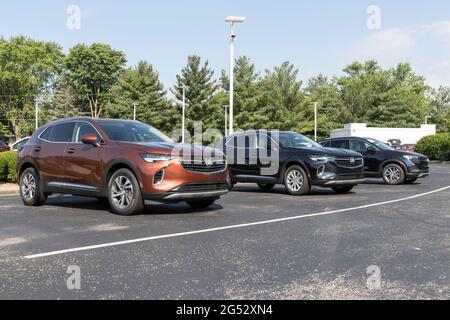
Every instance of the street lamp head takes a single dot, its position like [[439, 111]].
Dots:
[[232, 19]]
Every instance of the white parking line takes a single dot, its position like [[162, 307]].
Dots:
[[165, 236]]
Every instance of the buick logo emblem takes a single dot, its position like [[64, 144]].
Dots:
[[352, 160], [209, 162]]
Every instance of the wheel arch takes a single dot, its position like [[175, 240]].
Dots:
[[392, 161], [117, 165], [25, 165], [297, 162]]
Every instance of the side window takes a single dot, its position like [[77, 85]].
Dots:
[[62, 132], [83, 129], [265, 141], [325, 144], [359, 145], [46, 134], [339, 144]]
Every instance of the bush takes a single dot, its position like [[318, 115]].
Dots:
[[8, 164], [435, 147]]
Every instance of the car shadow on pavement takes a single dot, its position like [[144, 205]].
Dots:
[[151, 208], [282, 191]]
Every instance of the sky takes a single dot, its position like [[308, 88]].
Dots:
[[316, 36]]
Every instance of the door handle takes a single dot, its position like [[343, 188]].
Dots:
[[71, 151], [37, 149]]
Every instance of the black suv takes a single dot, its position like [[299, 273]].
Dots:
[[269, 158], [394, 166]]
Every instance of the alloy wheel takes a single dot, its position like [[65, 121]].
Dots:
[[28, 186], [295, 180], [122, 192], [392, 174]]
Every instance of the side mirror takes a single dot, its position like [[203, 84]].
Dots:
[[91, 139], [372, 149]]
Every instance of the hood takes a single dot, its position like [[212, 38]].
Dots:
[[182, 150], [406, 153], [332, 152]]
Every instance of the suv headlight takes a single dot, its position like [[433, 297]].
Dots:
[[155, 157], [411, 158], [321, 158]]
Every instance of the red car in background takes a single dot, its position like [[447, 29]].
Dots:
[[3, 146], [405, 147]]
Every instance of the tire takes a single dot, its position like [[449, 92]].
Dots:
[[31, 190], [200, 204], [342, 189], [393, 174], [266, 186], [410, 181], [296, 181], [124, 193]]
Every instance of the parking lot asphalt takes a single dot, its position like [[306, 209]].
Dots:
[[250, 245]]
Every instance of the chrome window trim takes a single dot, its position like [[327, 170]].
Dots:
[[70, 121]]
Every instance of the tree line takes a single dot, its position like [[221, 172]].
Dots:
[[93, 80]]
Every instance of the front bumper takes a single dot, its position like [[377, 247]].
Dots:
[[353, 182], [193, 191], [179, 184], [330, 174], [418, 169]]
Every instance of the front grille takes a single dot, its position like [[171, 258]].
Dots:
[[350, 162], [200, 165], [200, 187]]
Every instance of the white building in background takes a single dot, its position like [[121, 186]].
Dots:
[[405, 135]]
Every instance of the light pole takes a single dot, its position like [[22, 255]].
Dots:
[[36, 113], [315, 121], [232, 21], [183, 115], [134, 111], [226, 121]]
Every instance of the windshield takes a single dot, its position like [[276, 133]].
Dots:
[[133, 132], [2, 143], [296, 140], [380, 145]]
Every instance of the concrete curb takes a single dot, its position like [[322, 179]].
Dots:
[[9, 189], [439, 162]]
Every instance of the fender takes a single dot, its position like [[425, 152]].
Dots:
[[128, 163], [24, 162]]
